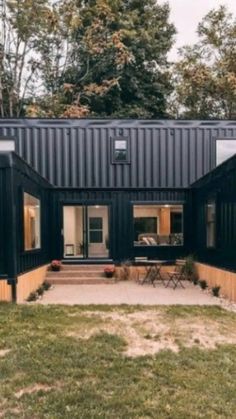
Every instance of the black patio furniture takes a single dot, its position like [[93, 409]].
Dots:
[[153, 271], [178, 275]]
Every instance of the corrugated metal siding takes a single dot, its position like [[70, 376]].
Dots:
[[76, 153], [221, 184], [3, 268], [121, 234], [27, 180]]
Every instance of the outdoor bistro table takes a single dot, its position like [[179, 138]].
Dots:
[[153, 271]]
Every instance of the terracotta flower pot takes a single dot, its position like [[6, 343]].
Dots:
[[55, 268], [109, 274]]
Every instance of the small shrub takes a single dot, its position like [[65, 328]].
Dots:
[[46, 285], [33, 296], [190, 269], [203, 284], [195, 281], [216, 291], [125, 270], [40, 290]]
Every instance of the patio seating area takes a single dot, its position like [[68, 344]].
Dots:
[[154, 273]]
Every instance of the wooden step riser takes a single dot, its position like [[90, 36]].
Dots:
[[75, 274], [80, 281]]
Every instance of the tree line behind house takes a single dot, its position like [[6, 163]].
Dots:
[[110, 58]]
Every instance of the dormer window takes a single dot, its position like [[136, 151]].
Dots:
[[120, 150]]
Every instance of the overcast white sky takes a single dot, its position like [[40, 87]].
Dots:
[[186, 14]]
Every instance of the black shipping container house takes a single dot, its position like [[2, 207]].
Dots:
[[110, 190]]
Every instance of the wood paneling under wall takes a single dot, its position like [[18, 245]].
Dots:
[[219, 277], [29, 282], [5, 291]]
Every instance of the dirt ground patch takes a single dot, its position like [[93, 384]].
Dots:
[[151, 331], [34, 389], [4, 352]]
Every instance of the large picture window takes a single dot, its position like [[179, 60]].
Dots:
[[211, 223], [158, 225], [32, 239]]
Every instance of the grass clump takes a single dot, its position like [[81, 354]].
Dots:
[[216, 291], [46, 286], [203, 284], [33, 296]]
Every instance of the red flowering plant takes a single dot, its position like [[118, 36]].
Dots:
[[109, 271], [55, 265]]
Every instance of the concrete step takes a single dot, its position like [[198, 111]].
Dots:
[[83, 267], [75, 273], [79, 281]]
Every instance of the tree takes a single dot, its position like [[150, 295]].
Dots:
[[68, 85], [23, 26], [205, 75], [74, 58], [120, 65]]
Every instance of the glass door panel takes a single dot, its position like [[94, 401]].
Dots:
[[98, 231], [74, 231]]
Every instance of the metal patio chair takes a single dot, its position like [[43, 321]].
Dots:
[[178, 275]]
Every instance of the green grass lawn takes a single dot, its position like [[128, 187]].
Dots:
[[74, 362]]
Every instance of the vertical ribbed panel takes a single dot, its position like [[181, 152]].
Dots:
[[77, 153], [219, 185], [2, 221]]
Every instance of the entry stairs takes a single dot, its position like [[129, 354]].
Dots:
[[79, 275]]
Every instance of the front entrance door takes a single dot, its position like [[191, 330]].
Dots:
[[86, 231]]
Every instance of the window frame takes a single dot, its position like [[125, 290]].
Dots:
[[113, 149], [211, 200], [38, 197], [95, 230]]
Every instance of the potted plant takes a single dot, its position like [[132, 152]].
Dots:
[[56, 265], [109, 271]]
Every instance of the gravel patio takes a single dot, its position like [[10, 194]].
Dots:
[[127, 292]]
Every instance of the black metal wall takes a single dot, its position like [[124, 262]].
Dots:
[[220, 185], [76, 153], [16, 177], [3, 267], [121, 213], [27, 180]]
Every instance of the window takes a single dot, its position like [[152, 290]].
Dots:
[[120, 150], [32, 236], [7, 144], [176, 222], [158, 225], [147, 224], [211, 223], [95, 230], [225, 149]]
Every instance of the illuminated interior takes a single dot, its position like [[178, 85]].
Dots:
[[158, 225], [32, 238], [86, 232]]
